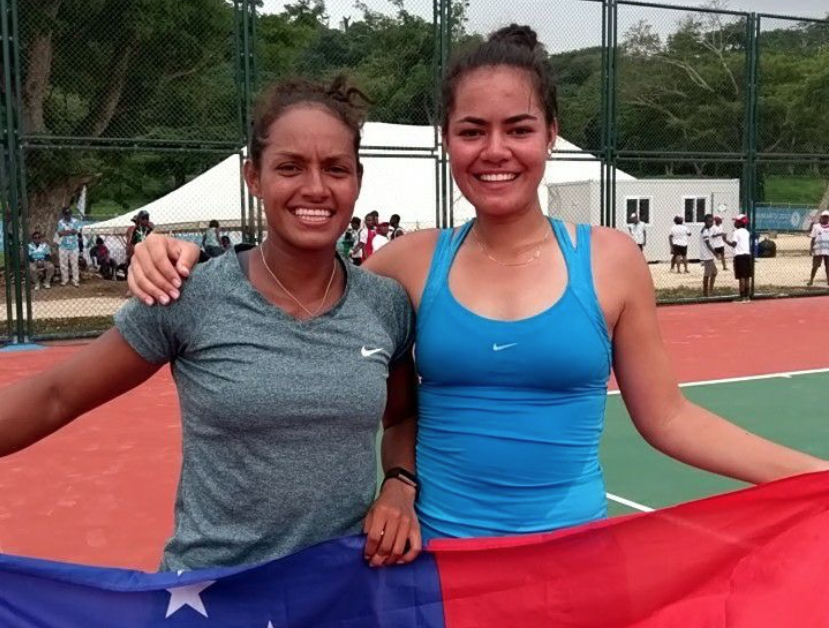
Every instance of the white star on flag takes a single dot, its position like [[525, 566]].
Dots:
[[189, 595]]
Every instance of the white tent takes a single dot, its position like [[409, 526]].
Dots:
[[399, 180], [214, 195]]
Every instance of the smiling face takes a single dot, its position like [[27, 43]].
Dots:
[[497, 140], [307, 178]]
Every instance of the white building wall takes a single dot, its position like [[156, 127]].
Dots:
[[581, 202]]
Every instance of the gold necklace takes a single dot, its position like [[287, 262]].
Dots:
[[288, 292], [535, 256]]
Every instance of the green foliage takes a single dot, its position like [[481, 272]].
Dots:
[[804, 190], [166, 70]]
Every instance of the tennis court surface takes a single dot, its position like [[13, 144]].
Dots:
[[101, 491]]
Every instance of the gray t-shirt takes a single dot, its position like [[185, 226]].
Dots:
[[279, 416]]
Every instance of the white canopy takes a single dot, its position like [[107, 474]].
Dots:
[[396, 181]]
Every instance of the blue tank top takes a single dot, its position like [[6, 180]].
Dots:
[[511, 412]]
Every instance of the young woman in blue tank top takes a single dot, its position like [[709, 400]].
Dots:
[[520, 319]]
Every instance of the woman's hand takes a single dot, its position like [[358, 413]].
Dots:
[[152, 277], [391, 525]]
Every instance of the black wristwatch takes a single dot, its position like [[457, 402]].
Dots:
[[401, 474]]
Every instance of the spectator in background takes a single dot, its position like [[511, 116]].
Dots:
[[67, 236], [211, 241], [354, 255], [381, 236], [348, 239], [636, 229], [138, 232], [226, 243], [680, 233], [395, 230], [40, 261], [819, 245], [102, 259], [365, 239], [707, 256], [743, 262], [717, 242]]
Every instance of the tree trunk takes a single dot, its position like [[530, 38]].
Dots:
[[37, 72], [104, 106], [44, 207]]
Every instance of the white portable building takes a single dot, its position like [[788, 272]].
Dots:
[[656, 201]]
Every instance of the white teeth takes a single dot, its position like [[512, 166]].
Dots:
[[313, 213], [498, 177]]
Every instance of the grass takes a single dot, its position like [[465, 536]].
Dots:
[[794, 189], [688, 293], [70, 327]]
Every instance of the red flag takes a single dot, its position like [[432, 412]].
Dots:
[[755, 558]]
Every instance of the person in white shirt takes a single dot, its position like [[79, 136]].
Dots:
[[743, 262], [819, 245], [707, 256], [40, 261], [395, 230], [636, 229], [381, 237], [717, 242], [679, 236]]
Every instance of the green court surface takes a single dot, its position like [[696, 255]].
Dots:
[[790, 409]]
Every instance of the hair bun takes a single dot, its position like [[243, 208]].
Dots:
[[516, 35], [341, 91]]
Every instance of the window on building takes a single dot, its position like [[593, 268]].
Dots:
[[695, 208], [638, 206]]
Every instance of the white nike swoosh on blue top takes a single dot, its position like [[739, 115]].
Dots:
[[497, 347], [367, 353]]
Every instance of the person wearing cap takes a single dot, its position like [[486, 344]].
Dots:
[[819, 246], [636, 229], [40, 261], [707, 256], [717, 242], [679, 235], [743, 262], [68, 251], [138, 232], [381, 237]]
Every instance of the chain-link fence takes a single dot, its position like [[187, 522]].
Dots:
[[667, 114]]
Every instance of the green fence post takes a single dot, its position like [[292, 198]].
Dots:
[[751, 130], [10, 56]]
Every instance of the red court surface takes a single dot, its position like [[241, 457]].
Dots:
[[101, 491]]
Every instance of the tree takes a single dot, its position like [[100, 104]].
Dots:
[[107, 68]]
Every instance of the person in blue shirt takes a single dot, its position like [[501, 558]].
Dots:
[[520, 318], [68, 249], [40, 261]]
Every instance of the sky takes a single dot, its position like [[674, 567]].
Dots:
[[570, 24]]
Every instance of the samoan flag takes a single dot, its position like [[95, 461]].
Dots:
[[757, 558]]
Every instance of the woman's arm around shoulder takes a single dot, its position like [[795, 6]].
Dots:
[[406, 260], [158, 266], [40, 405]]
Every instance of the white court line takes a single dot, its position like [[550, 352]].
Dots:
[[628, 503], [788, 375], [750, 378]]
